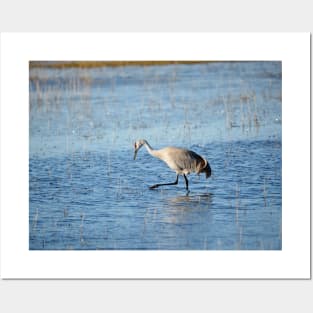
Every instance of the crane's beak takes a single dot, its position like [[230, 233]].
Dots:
[[135, 154]]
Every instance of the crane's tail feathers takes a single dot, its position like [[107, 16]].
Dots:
[[208, 171], [205, 168]]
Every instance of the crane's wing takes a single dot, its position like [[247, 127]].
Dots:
[[185, 161]]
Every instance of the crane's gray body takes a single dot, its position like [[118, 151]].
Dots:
[[180, 160]]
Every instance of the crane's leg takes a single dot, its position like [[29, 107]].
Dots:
[[157, 185], [186, 181]]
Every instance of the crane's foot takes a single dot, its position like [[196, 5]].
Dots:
[[154, 186]]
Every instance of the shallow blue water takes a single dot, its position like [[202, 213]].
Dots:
[[87, 192]]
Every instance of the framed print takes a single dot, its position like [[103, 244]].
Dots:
[[176, 156]]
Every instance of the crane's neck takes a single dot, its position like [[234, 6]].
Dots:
[[150, 149]]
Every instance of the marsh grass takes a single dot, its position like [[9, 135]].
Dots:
[[96, 64], [35, 220]]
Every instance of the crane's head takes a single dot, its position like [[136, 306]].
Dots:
[[137, 145]]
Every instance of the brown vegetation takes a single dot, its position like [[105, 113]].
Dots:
[[91, 64]]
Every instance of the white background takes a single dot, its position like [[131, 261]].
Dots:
[[246, 296]]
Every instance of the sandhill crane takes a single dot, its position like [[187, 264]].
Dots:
[[180, 160]]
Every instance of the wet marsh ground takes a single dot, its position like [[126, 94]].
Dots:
[[87, 192]]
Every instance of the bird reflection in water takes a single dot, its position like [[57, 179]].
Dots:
[[191, 201], [186, 209]]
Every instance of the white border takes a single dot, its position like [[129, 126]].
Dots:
[[294, 259]]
